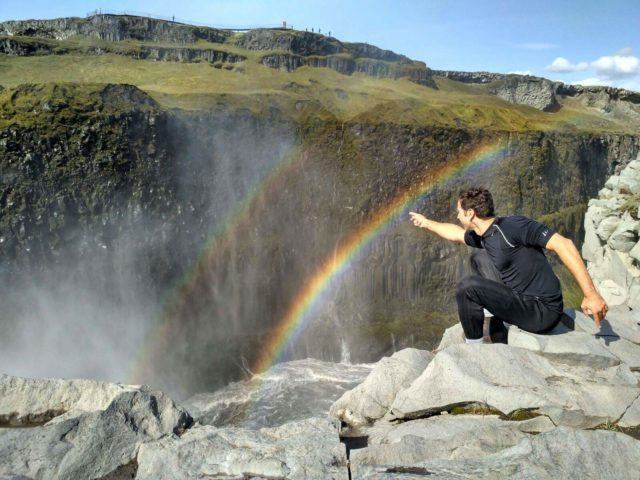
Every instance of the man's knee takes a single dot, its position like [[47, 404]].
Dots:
[[468, 284]]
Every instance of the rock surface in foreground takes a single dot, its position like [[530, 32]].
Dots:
[[308, 449], [27, 401], [95, 444], [508, 379], [444, 437], [371, 399], [561, 453]]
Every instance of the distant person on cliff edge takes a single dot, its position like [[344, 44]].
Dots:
[[513, 281]]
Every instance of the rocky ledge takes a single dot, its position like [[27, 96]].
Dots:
[[561, 405]]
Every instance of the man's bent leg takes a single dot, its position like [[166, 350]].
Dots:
[[474, 292], [482, 265]]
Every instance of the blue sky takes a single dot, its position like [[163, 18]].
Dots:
[[592, 42]]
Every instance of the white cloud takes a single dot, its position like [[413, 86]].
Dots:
[[591, 81], [562, 65], [522, 72], [617, 66], [537, 46]]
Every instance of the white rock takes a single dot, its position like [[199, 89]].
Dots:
[[508, 379], [372, 398], [452, 336], [562, 453], [615, 324], [592, 246], [445, 436], [607, 227], [99, 444], [562, 345], [631, 417], [613, 293], [29, 401], [306, 449], [625, 236]]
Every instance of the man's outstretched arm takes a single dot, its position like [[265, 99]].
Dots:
[[593, 303], [448, 231]]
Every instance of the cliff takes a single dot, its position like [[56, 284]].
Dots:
[[544, 94], [159, 199], [113, 28]]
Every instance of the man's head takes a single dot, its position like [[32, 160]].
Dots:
[[474, 202]]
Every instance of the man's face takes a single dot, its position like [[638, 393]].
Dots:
[[464, 216]]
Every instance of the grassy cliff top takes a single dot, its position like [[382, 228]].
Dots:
[[307, 92]]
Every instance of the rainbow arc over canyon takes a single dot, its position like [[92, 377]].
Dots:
[[293, 322], [217, 242]]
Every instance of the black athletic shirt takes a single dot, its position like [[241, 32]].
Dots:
[[515, 245]]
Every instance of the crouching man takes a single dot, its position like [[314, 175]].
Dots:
[[512, 278]]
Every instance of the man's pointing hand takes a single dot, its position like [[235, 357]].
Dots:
[[418, 220], [594, 304]]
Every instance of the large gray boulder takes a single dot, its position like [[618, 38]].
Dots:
[[372, 398], [307, 449], [95, 444], [31, 401], [560, 453], [508, 379], [444, 436]]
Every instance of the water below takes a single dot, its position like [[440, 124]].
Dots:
[[286, 392]]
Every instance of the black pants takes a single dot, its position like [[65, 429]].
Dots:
[[484, 289]]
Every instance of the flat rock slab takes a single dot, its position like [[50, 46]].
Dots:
[[617, 324], [566, 346], [508, 379], [560, 453], [371, 399], [444, 436], [306, 449], [34, 401]]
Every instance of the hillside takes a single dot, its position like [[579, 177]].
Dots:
[[190, 67]]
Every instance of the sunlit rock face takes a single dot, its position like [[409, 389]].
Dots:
[[165, 246], [612, 238]]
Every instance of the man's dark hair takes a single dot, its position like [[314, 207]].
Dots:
[[479, 199]]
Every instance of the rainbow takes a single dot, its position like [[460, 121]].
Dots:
[[216, 243], [292, 322]]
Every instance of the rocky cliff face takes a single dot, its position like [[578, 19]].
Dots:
[[612, 238], [415, 71], [130, 195], [25, 46], [113, 28], [292, 49], [546, 95]]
